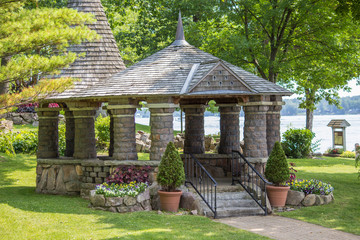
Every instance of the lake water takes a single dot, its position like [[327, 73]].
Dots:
[[323, 133]]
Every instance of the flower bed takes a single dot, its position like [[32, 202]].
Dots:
[[309, 193]]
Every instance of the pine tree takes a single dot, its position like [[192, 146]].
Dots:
[[171, 169], [33, 42], [277, 168]]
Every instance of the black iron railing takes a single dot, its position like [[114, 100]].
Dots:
[[205, 185], [244, 173]]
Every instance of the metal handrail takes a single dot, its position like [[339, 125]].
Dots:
[[244, 173], [201, 180]]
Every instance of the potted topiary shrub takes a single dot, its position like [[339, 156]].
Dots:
[[171, 175], [277, 172]]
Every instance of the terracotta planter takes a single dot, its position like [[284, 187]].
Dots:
[[169, 201], [277, 195]]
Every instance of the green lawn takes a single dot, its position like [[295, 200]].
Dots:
[[344, 213], [27, 215]]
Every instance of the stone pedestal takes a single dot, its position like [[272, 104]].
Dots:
[[70, 133], [161, 123], [229, 128], [255, 145], [123, 128], [48, 133], [85, 144], [194, 129], [272, 127]]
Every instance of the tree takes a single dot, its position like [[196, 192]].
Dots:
[[309, 46], [33, 45]]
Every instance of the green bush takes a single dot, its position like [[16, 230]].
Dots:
[[171, 169], [297, 142], [19, 142], [348, 154], [102, 132], [62, 138], [277, 167]]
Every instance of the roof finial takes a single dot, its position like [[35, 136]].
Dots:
[[180, 29], [180, 37]]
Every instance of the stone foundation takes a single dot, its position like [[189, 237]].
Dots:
[[67, 176]]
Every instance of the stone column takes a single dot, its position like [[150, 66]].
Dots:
[[272, 126], [161, 123], [70, 133], [255, 145], [194, 129], [48, 135], [111, 145], [229, 128], [85, 144], [123, 128]]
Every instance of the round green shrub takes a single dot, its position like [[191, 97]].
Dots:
[[277, 167], [171, 173], [297, 142]]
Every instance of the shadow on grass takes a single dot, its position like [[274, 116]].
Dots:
[[136, 225], [10, 164]]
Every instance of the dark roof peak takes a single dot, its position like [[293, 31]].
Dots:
[[180, 37]]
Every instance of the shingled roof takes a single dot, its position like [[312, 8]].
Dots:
[[338, 123], [102, 58], [181, 70]]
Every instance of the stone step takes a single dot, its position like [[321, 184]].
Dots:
[[236, 203], [236, 212], [233, 195]]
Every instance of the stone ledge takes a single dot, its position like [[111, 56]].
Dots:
[[60, 161], [132, 162]]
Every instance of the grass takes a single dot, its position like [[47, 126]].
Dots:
[[25, 127], [344, 213], [27, 215]]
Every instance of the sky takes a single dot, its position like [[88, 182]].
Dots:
[[355, 91]]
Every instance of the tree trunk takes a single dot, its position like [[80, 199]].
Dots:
[[4, 86], [309, 119], [310, 102]]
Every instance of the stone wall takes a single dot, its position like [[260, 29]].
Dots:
[[121, 204], [21, 118], [66, 176], [296, 198]]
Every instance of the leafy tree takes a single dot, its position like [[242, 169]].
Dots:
[[33, 44], [303, 44]]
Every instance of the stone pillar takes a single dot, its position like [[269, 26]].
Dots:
[[273, 126], [161, 123], [194, 129], [111, 145], [229, 128], [85, 144], [255, 145], [48, 135], [123, 128], [70, 133]]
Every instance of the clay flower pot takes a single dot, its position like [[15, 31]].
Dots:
[[169, 201], [277, 195]]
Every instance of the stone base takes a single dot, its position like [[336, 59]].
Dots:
[[121, 204], [296, 198], [68, 176]]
